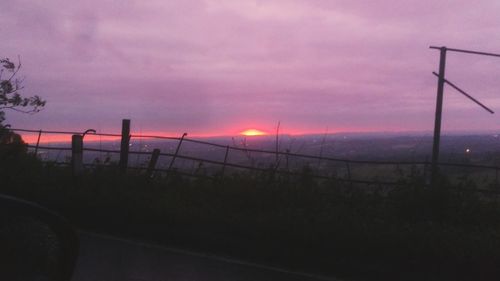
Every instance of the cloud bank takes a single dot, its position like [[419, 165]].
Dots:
[[220, 66]]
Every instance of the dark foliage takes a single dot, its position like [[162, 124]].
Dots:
[[410, 233], [10, 88]]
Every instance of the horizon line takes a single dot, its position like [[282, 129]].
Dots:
[[64, 137]]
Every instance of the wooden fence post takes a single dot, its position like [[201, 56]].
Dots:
[[348, 172], [125, 142], [152, 162], [38, 143], [77, 155], [225, 161]]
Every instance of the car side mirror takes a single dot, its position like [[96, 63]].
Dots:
[[35, 243]]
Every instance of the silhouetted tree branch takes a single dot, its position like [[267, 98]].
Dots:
[[10, 98]]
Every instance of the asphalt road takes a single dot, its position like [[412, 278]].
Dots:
[[105, 258]]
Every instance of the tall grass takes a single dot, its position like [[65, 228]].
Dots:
[[408, 233]]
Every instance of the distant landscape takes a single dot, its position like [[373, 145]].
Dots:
[[480, 149], [366, 146]]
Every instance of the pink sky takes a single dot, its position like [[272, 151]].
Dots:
[[217, 67]]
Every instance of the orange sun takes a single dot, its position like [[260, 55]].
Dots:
[[253, 132]]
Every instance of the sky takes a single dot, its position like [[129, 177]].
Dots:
[[218, 67]]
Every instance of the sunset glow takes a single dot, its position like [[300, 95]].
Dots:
[[253, 133], [32, 139]]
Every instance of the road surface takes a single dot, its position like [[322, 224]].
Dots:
[[105, 258]]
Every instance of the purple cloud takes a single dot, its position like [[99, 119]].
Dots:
[[214, 66]]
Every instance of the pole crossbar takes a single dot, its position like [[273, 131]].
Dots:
[[465, 94], [466, 51]]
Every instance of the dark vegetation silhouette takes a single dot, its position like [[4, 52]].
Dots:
[[10, 88], [11, 144], [408, 233]]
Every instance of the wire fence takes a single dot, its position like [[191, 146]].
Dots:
[[277, 163]]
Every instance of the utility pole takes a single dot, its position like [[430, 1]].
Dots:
[[439, 112], [439, 102]]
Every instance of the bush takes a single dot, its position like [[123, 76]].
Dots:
[[449, 232]]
